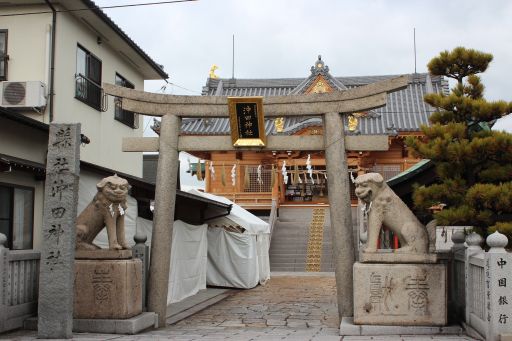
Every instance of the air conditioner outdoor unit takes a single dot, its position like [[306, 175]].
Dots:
[[30, 94]]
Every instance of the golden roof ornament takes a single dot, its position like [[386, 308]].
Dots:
[[279, 124], [353, 120], [319, 67], [212, 74], [320, 87], [352, 123]]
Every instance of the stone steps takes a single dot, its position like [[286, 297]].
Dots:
[[288, 249]]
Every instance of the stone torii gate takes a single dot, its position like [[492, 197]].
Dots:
[[329, 105]]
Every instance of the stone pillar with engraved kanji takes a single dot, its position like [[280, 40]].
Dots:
[[498, 286], [56, 279]]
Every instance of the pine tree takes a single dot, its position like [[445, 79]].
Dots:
[[473, 163]]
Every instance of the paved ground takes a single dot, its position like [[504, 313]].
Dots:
[[291, 307]]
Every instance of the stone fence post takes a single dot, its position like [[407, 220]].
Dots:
[[3, 280], [473, 240], [458, 239], [498, 285], [457, 275], [141, 251]]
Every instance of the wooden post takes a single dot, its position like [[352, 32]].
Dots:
[[165, 198], [275, 189], [340, 210], [207, 176]]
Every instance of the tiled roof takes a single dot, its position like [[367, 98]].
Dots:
[[405, 110]]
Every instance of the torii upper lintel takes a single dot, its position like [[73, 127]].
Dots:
[[362, 98]]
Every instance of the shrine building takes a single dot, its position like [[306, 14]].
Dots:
[[259, 176]]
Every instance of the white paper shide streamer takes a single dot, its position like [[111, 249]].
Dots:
[[309, 168], [212, 170], [260, 180], [121, 209], [233, 175], [285, 173]]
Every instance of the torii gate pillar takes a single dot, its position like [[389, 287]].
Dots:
[[165, 199], [340, 211]]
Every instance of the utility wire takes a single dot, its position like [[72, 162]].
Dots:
[[178, 86], [98, 8], [164, 87]]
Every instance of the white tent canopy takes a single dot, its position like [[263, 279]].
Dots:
[[238, 260], [239, 216]]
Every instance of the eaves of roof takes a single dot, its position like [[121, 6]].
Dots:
[[109, 22], [410, 173], [9, 161], [25, 120]]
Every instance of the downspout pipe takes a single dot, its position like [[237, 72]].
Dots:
[[52, 60]]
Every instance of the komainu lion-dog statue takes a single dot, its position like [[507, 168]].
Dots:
[[389, 210], [107, 209]]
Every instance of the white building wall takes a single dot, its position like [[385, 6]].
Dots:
[[14, 141], [104, 131], [29, 47]]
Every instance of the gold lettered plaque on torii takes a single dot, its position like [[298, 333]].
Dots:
[[246, 121]]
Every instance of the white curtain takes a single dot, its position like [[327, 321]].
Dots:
[[188, 261]]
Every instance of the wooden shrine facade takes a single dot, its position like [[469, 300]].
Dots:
[[402, 116]]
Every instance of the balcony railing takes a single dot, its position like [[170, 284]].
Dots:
[[90, 93]]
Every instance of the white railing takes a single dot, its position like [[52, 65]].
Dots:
[[19, 277], [475, 304], [484, 279]]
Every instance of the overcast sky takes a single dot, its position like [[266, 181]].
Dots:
[[282, 38]]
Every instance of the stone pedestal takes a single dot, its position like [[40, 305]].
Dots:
[[400, 294], [107, 288], [385, 256]]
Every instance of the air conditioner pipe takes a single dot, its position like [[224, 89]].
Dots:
[[52, 60]]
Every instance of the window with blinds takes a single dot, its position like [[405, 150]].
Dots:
[[3, 55], [17, 216], [88, 78], [124, 116]]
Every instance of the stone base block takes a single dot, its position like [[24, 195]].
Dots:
[[108, 289], [396, 257], [400, 294], [348, 328], [103, 254], [132, 325]]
